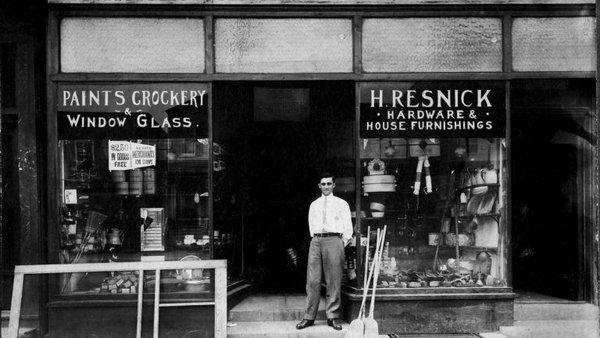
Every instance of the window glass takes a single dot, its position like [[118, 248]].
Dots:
[[283, 45], [132, 45], [436, 45], [433, 167], [133, 183], [554, 44]]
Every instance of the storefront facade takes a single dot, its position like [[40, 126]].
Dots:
[[195, 131]]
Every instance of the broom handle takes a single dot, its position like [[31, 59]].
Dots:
[[366, 263], [366, 289], [376, 268], [367, 257], [449, 195]]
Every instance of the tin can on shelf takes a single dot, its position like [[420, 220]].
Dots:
[[149, 174], [135, 187], [117, 175], [121, 188], [149, 187], [136, 175], [149, 181]]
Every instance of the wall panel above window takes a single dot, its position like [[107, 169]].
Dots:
[[283, 45], [432, 45], [132, 45], [554, 44]]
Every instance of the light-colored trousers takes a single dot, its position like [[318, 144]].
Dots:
[[325, 255]]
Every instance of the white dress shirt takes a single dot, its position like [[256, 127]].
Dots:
[[338, 218]]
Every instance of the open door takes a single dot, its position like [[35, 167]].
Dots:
[[552, 168]]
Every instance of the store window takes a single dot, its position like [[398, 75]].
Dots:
[[434, 171], [133, 183]]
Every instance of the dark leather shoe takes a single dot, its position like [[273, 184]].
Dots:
[[305, 323], [334, 323]]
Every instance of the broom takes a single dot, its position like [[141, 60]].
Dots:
[[371, 326], [357, 327]]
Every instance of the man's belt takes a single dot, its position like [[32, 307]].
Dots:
[[328, 234]]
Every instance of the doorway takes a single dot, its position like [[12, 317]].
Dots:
[[10, 205], [275, 138], [552, 150]]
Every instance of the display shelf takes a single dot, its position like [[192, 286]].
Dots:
[[470, 217], [489, 185], [189, 248], [470, 247]]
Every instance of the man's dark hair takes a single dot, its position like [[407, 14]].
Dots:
[[325, 175]]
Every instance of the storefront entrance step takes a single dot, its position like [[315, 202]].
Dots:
[[266, 308], [24, 332], [552, 329], [555, 311], [283, 329]]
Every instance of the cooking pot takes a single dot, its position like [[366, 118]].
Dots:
[[190, 274], [379, 179], [196, 285], [377, 206], [380, 187], [379, 183], [377, 214]]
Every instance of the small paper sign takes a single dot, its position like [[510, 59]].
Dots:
[[125, 155], [70, 196], [119, 155], [142, 155]]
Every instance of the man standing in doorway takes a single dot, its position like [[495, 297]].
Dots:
[[330, 226]]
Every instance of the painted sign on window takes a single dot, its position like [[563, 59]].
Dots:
[[432, 110], [132, 111]]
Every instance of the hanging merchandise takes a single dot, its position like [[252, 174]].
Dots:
[[423, 164], [377, 209], [424, 147]]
